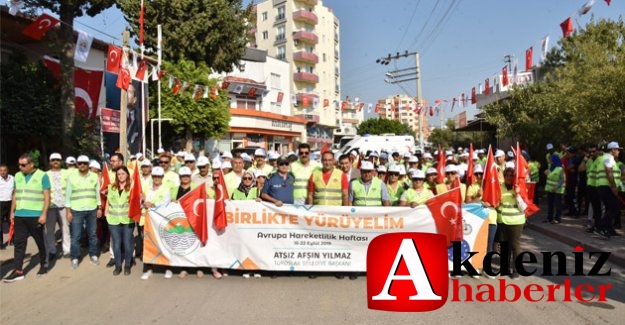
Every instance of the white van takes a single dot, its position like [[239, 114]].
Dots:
[[388, 142]]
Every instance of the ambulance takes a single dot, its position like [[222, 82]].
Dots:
[[388, 142]]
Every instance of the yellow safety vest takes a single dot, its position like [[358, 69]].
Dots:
[[418, 197], [395, 195], [601, 178], [83, 191], [509, 212], [302, 175], [118, 205], [372, 198], [240, 196], [29, 196], [553, 178], [442, 188], [330, 194], [591, 175]]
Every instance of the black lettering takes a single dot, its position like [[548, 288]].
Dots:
[[579, 263], [547, 263], [457, 269], [603, 257], [518, 263]]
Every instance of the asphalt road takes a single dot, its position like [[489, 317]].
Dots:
[[92, 295]]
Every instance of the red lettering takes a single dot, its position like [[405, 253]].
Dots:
[[552, 290], [489, 293], [502, 291], [567, 290], [527, 292], [602, 289], [580, 290], [456, 290]]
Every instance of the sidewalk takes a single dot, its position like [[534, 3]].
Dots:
[[572, 231]]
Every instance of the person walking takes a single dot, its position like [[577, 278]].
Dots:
[[7, 185], [157, 196], [608, 176], [367, 190], [394, 186], [512, 219], [246, 189], [417, 194], [555, 189], [301, 170], [328, 185], [121, 227], [29, 207], [57, 213], [279, 189]]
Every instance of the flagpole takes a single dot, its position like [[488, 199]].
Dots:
[[143, 88], [159, 52], [101, 138]]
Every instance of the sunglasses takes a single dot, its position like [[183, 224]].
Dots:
[[247, 178], [55, 160], [23, 165], [156, 176], [418, 179], [304, 153], [215, 178], [82, 163], [163, 162], [393, 174], [189, 162], [283, 164]]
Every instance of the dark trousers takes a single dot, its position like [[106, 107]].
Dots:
[[5, 208], [554, 201], [612, 208], [24, 227], [582, 202], [569, 197], [595, 203], [512, 235]]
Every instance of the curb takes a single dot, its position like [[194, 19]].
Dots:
[[616, 259]]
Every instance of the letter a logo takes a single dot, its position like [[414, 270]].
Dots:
[[407, 272]]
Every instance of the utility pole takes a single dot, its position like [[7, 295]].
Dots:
[[123, 105], [412, 73]]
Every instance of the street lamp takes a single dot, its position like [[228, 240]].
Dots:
[[152, 131]]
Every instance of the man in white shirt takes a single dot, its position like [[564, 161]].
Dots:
[[7, 183]]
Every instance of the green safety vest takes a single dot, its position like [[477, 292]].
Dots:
[[83, 189], [534, 171], [301, 174], [601, 178], [418, 197], [553, 178], [395, 195], [118, 205], [64, 176], [331, 193], [372, 198], [590, 172], [621, 168], [240, 196], [29, 196], [509, 212]]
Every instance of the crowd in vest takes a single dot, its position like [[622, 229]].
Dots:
[[584, 181]]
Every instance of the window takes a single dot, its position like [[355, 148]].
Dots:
[[264, 16], [324, 57], [274, 81], [281, 13], [281, 53], [280, 33], [265, 34]]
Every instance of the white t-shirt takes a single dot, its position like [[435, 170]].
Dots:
[[6, 188]]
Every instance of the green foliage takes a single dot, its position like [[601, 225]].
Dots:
[[87, 137], [204, 117], [209, 31], [378, 126], [582, 97], [78, 8], [444, 136]]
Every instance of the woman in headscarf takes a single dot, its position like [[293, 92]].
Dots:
[[554, 189], [246, 189]]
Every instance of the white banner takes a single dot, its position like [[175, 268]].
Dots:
[[293, 238]]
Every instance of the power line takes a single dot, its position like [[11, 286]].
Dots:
[[408, 26]]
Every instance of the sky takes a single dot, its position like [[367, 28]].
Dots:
[[460, 43]]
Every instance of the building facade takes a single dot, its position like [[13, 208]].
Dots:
[[403, 109], [305, 34]]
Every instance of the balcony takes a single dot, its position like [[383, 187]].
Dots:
[[309, 2], [310, 117], [305, 16], [351, 121], [306, 37], [310, 98], [306, 77], [306, 57]]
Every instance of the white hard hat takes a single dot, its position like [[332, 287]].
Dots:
[[427, 155], [510, 153], [366, 165], [260, 152], [227, 154], [70, 160], [431, 170], [413, 159], [95, 164], [478, 169], [451, 169], [510, 164], [382, 169], [549, 146], [56, 155], [184, 171], [499, 153], [202, 161], [82, 159], [146, 162], [158, 171], [160, 151], [394, 168], [226, 165], [189, 157], [273, 155], [417, 174], [402, 170]]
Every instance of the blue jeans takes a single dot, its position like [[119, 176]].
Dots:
[[492, 230], [554, 201], [81, 219], [121, 236]]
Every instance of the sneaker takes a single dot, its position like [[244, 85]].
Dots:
[[199, 274], [117, 271], [14, 276], [111, 263], [94, 260], [146, 275], [126, 270], [257, 275], [246, 275], [168, 274], [183, 274], [75, 263], [42, 271]]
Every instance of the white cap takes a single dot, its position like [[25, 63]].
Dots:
[[428, 155], [366, 165], [216, 163], [180, 153], [459, 148], [382, 169], [451, 169], [160, 151], [56, 155], [138, 155], [384, 155], [417, 174], [374, 154], [95, 164], [465, 155], [70, 160], [158, 171], [132, 157], [189, 157], [478, 169], [184, 171], [413, 159], [402, 170], [407, 154], [226, 154], [202, 161], [510, 154], [258, 173], [475, 157], [146, 162], [510, 164], [354, 153], [273, 155], [82, 158], [499, 153], [449, 153], [260, 152], [613, 145], [394, 168], [549, 146], [431, 170], [226, 165]]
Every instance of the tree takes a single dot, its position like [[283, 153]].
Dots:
[[209, 31], [203, 117], [68, 10], [379, 126], [581, 98], [444, 136]]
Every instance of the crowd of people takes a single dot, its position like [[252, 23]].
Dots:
[[36, 202]]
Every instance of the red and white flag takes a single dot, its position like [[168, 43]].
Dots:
[[134, 201], [143, 66], [529, 53], [567, 27], [491, 189], [474, 95], [440, 167], [544, 46], [194, 206], [522, 170], [446, 210], [106, 181], [123, 79], [377, 108], [487, 87], [504, 77], [219, 212], [39, 27], [586, 7], [113, 59]]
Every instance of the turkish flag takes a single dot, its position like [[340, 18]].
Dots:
[[440, 167], [87, 87], [504, 73], [326, 102], [251, 92], [474, 96], [143, 66], [361, 106], [490, 183], [177, 86], [113, 59], [522, 170], [198, 92], [487, 87], [377, 108], [219, 212], [470, 174], [106, 181], [567, 27], [194, 207], [134, 204], [324, 148], [305, 101], [446, 210], [343, 105], [39, 27], [431, 111], [225, 85], [529, 54], [123, 79], [280, 97]]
